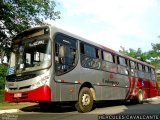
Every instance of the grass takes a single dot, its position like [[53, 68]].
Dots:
[[7, 104]]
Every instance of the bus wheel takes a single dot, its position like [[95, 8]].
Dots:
[[140, 96], [85, 100]]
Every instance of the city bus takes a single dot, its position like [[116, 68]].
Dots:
[[50, 65]]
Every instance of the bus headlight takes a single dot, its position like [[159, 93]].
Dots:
[[40, 83]]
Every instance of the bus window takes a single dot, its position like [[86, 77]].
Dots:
[[140, 68], [122, 67], [133, 68], [146, 69], [107, 56], [89, 51], [108, 63], [98, 53], [141, 71], [133, 65], [153, 74], [122, 61], [152, 71], [65, 54], [90, 56], [147, 73]]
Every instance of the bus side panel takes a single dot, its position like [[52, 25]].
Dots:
[[153, 88], [147, 85], [67, 86], [114, 88], [146, 88]]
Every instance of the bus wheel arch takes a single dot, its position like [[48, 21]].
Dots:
[[90, 86], [86, 98]]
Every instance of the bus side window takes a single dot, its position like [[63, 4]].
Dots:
[[133, 67], [108, 56], [90, 56], [140, 70], [123, 65], [122, 61], [153, 74], [108, 62], [147, 74], [98, 53], [65, 54]]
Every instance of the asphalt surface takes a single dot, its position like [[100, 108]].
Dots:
[[102, 110]]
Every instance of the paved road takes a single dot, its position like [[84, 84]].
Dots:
[[69, 113]]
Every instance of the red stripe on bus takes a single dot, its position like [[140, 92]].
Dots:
[[129, 88], [40, 94]]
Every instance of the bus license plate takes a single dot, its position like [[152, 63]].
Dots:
[[16, 95]]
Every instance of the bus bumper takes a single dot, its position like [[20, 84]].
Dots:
[[42, 93]]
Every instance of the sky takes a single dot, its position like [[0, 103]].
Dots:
[[112, 23]]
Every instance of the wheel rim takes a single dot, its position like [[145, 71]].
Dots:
[[140, 97], [86, 99]]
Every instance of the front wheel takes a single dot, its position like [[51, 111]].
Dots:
[[85, 100]]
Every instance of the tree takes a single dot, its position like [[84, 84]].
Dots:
[[137, 54], [154, 55], [151, 57], [18, 15]]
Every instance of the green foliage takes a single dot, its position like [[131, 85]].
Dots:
[[18, 15], [152, 56], [137, 54], [158, 78], [1, 96], [3, 72]]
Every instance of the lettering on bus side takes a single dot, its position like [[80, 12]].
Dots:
[[109, 82]]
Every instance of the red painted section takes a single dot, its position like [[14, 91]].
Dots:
[[132, 81], [153, 88], [40, 94], [129, 88], [108, 49]]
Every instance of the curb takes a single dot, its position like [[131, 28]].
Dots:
[[154, 98], [9, 111]]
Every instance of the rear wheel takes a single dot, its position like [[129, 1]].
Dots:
[[140, 96], [85, 100]]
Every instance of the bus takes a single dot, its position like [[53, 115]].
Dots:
[[50, 65]]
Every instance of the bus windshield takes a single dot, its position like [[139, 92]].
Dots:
[[30, 55]]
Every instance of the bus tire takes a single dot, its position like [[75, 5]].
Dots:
[[85, 100], [140, 96]]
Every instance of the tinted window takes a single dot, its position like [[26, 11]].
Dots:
[[90, 56], [132, 64], [122, 61], [140, 68], [65, 54], [146, 69], [107, 56]]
